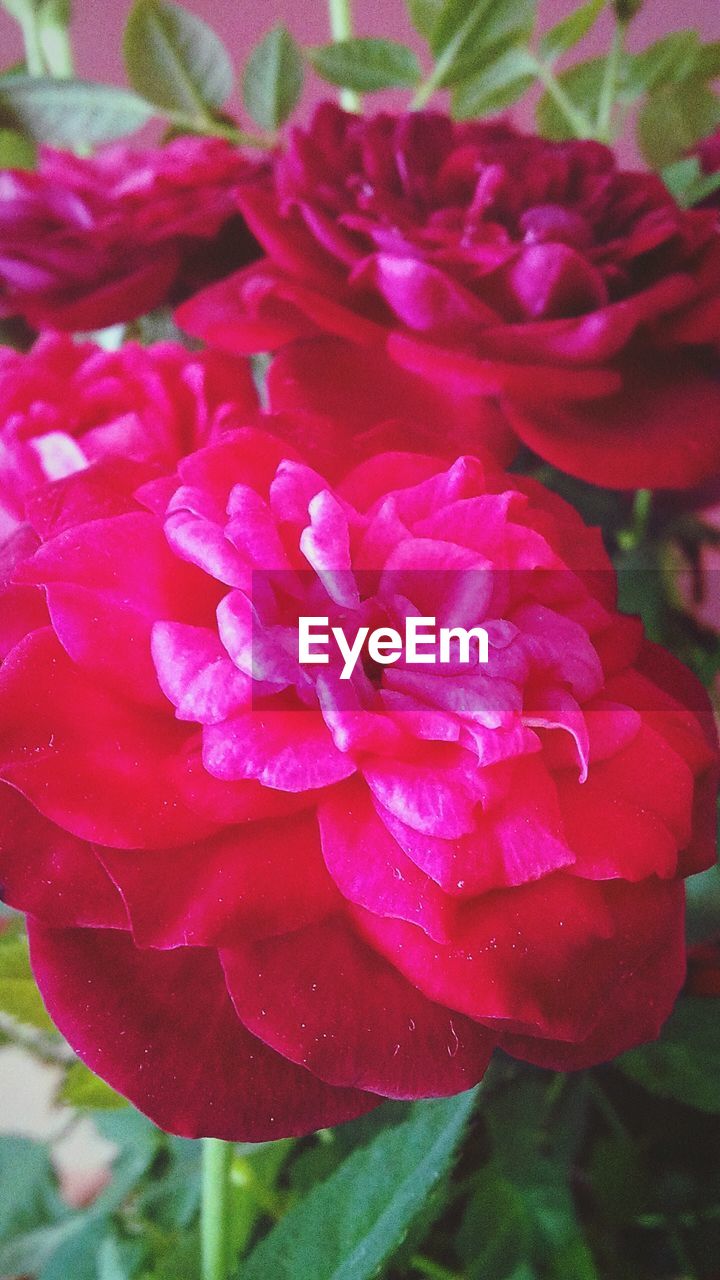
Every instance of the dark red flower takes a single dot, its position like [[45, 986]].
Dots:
[[261, 896], [576, 300], [87, 242], [67, 406], [64, 405]]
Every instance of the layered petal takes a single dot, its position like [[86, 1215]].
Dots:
[[131, 1016]]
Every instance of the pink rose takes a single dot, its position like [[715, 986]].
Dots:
[[65, 407], [573, 299], [262, 896], [87, 242]]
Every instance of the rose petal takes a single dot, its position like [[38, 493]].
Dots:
[[371, 1030], [132, 1015]]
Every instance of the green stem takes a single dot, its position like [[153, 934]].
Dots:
[[606, 1108], [341, 28], [425, 91], [434, 81], [642, 510], [33, 49], [578, 121], [213, 128], [608, 88], [636, 532], [426, 1267], [57, 50], [216, 1161]]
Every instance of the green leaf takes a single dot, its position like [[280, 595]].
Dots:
[[480, 25], [641, 589], [685, 1063], [117, 1260], [273, 78], [366, 64], [346, 1227], [78, 1254], [65, 112], [703, 905], [483, 34], [667, 61], [19, 996], [53, 22], [56, 11], [474, 59], [495, 1235], [707, 61], [178, 1262], [686, 181], [582, 84], [171, 1201], [176, 60], [20, 10], [571, 30], [29, 1189], [672, 120], [496, 87], [16, 152], [30, 1252], [316, 1162], [535, 1140], [424, 14], [82, 1088]]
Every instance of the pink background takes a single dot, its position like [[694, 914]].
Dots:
[[99, 24]]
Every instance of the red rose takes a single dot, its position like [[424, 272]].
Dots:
[[65, 406], [263, 896], [575, 298], [89, 242]]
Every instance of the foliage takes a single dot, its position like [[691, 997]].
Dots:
[[489, 54]]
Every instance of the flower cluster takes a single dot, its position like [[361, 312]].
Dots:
[[311, 886]]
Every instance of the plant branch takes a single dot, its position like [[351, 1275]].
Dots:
[[578, 121], [214, 1232], [608, 88], [57, 50], [211, 127], [448, 55], [341, 28], [432, 1270], [34, 60]]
